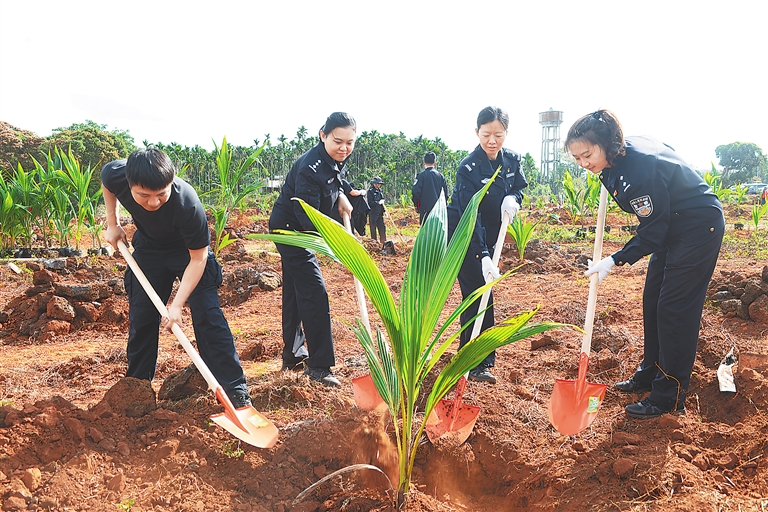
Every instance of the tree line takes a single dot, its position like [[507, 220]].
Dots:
[[394, 157]]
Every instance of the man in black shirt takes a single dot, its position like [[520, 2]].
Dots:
[[427, 188], [171, 241]]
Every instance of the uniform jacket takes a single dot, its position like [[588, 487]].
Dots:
[[668, 197], [473, 173], [316, 178], [375, 195], [427, 188]]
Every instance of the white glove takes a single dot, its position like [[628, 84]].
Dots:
[[381, 201], [510, 206], [490, 271], [602, 267]]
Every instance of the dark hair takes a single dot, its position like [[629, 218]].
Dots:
[[429, 158], [336, 120], [602, 128], [491, 114], [149, 168]]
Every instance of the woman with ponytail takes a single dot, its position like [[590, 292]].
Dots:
[[317, 178]]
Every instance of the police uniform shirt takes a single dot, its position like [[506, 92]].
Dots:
[[179, 223], [426, 189], [375, 195], [667, 196], [316, 179], [473, 173]]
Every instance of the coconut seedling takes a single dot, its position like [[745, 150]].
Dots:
[[401, 357], [76, 181], [758, 212], [230, 193], [521, 232]]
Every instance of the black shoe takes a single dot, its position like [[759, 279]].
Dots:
[[632, 386], [323, 376], [482, 375], [647, 409], [294, 367], [240, 399]]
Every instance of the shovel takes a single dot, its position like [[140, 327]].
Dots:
[[452, 418], [364, 390], [245, 423], [574, 404]]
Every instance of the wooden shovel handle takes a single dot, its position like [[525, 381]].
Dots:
[[361, 304], [196, 359], [495, 259], [589, 321]]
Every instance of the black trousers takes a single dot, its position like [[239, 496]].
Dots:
[[306, 310], [470, 279], [212, 333], [377, 223], [673, 300]]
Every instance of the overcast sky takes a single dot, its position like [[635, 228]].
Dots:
[[691, 73]]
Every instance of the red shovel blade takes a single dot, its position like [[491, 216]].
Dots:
[[452, 419], [366, 395], [574, 403]]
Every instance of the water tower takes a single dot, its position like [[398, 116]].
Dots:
[[550, 141]]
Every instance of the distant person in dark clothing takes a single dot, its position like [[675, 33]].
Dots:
[[316, 177], [172, 240], [376, 202], [681, 227], [426, 190]]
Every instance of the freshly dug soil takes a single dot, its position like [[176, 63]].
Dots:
[[76, 435]]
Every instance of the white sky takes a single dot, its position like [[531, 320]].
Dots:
[[691, 73]]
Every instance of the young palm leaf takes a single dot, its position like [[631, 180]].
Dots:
[[400, 362], [521, 232]]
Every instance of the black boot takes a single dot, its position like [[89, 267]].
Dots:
[[632, 386]]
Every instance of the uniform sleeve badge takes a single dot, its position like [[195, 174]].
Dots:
[[642, 205]]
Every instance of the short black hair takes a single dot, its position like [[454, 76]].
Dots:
[[149, 168], [429, 158], [336, 120], [491, 114]]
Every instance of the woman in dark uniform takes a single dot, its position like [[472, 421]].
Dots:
[[504, 196], [316, 177], [681, 226]]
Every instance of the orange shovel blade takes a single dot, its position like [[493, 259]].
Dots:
[[442, 424], [452, 419], [366, 395], [569, 413], [574, 403], [245, 423]]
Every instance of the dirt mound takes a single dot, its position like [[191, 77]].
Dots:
[[76, 435]]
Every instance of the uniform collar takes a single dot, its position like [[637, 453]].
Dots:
[[484, 163], [338, 167], [609, 174]]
